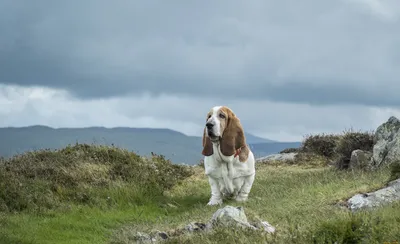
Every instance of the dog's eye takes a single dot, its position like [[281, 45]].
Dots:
[[222, 116]]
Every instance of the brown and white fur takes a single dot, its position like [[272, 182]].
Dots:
[[229, 162]]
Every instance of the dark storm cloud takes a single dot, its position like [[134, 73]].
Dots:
[[319, 52]]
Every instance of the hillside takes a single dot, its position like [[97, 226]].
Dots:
[[86, 194], [174, 145]]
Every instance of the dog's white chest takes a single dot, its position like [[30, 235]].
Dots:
[[218, 156]]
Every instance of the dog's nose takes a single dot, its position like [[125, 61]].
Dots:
[[209, 125]]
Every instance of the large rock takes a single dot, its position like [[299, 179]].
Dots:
[[230, 217], [278, 157], [386, 148], [377, 198], [235, 217], [360, 159]]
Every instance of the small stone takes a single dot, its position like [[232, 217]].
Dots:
[[153, 237], [163, 235], [141, 237], [195, 226], [265, 226], [171, 205], [268, 227]]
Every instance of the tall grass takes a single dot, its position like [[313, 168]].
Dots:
[[84, 174]]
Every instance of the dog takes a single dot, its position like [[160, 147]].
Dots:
[[229, 163]]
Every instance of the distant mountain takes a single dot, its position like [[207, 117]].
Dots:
[[265, 149], [176, 146], [255, 139]]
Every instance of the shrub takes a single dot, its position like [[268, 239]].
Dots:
[[337, 148], [349, 142], [394, 171], [323, 145], [310, 159], [290, 150], [83, 174]]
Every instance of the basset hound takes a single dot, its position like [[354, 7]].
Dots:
[[229, 162]]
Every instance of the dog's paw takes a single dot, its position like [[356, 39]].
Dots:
[[241, 198], [213, 202]]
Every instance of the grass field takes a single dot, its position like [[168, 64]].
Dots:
[[301, 202]]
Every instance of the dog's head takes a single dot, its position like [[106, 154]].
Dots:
[[222, 126]]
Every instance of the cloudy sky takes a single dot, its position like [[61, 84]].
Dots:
[[287, 68]]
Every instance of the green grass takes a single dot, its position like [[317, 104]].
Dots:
[[300, 202], [80, 225]]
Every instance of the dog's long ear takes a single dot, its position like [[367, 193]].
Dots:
[[233, 138], [207, 145]]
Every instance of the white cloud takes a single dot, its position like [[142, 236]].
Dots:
[[387, 10], [20, 106]]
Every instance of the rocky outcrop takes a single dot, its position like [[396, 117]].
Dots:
[[386, 148], [360, 159], [385, 152], [229, 216], [278, 157], [377, 198]]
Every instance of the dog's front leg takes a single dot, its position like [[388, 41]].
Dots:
[[245, 190], [216, 197]]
